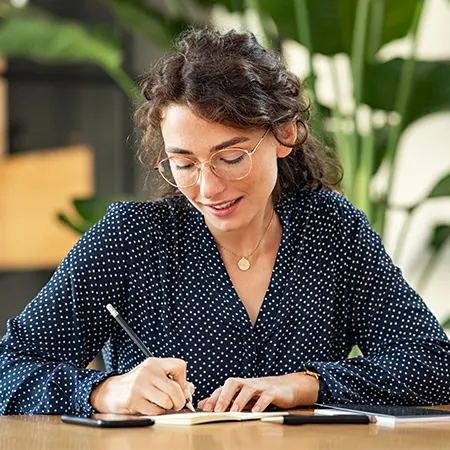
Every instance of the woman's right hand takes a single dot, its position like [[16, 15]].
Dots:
[[146, 389]]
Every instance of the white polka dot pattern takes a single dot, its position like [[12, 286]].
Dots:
[[333, 286]]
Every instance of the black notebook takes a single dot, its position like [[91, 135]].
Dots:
[[389, 415]]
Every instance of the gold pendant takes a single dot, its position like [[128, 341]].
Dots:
[[244, 264]]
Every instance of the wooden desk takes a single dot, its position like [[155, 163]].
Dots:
[[49, 433]]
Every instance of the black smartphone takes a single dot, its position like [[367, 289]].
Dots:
[[109, 421]]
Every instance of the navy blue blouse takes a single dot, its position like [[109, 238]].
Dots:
[[333, 286]]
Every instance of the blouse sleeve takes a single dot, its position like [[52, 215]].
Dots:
[[46, 349], [406, 353]]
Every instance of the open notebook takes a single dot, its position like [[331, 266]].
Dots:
[[207, 417]]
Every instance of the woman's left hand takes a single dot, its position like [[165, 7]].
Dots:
[[285, 391]]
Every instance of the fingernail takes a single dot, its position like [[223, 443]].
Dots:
[[234, 408], [208, 407], [218, 407], [256, 409]]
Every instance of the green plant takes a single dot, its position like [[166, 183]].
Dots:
[[404, 90], [86, 213]]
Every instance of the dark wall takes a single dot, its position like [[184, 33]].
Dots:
[[54, 106], [17, 289], [59, 105]]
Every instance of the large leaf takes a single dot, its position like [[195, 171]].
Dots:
[[141, 18], [88, 211], [45, 39], [430, 92], [91, 209], [78, 226], [331, 21]]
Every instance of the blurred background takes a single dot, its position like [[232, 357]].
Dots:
[[377, 73]]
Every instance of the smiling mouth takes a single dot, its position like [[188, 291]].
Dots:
[[224, 205]]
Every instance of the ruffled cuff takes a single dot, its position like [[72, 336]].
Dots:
[[324, 395], [83, 390]]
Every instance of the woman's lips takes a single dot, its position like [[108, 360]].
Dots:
[[224, 212]]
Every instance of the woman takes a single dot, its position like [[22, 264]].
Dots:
[[253, 278]]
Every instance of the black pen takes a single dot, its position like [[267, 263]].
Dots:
[[298, 419], [138, 341]]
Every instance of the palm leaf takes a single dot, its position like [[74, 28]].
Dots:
[[44, 39], [143, 19], [332, 21], [430, 91]]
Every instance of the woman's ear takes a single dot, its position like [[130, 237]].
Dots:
[[286, 134]]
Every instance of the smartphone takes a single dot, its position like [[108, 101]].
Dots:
[[109, 421]]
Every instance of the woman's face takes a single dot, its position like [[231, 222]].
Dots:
[[250, 197]]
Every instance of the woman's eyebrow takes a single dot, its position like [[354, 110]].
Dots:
[[216, 148]]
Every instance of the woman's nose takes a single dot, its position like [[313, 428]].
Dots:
[[210, 183]]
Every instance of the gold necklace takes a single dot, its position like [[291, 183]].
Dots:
[[244, 261]]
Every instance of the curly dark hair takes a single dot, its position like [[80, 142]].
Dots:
[[229, 78]]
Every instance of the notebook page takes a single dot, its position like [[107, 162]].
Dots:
[[207, 417]]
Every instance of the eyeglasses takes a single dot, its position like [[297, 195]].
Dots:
[[229, 164]]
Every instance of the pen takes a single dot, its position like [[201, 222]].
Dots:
[[138, 341], [297, 419]]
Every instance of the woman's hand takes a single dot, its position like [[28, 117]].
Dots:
[[286, 391], [146, 389]]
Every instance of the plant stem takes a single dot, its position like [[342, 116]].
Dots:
[[342, 140], [126, 83], [357, 61], [376, 28], [358, 47], [365, 170], [368, 139], [304, 36], [401, 103]]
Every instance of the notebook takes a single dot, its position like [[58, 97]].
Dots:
[[208, 417], [389, 415]]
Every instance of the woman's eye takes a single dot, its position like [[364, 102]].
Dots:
[[233, 160], [183, 165]]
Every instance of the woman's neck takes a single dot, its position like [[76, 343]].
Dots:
[[245, 241]]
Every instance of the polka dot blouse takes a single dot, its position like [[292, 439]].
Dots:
[[333, 286]]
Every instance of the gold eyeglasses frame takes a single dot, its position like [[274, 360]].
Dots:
[[199, 164]]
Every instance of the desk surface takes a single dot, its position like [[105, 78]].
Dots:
[[49, 433]]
